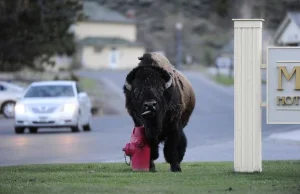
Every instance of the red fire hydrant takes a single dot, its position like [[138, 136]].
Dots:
[[138, 150]]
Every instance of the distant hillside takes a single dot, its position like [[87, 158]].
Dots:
[[207, 24]]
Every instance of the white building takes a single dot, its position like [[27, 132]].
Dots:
[[106, 39], [288, 32]]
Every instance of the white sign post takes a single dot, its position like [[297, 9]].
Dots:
[[247, 95]]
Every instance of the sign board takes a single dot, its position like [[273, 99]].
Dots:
[[283, 85]]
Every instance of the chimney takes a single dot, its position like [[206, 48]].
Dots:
[[130, 14]]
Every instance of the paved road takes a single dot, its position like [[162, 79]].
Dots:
[[210, 132]]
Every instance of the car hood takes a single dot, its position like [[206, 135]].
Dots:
[[47, 101], [11, 95]]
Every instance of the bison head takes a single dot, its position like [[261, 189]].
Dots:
[[147, 90]]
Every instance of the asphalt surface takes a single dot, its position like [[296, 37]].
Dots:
[[209, 132]]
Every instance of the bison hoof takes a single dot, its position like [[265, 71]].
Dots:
[[152, 167], [175, 169]]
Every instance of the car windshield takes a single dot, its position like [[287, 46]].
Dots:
[[50, 91]]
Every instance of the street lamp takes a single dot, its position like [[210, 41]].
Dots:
[[178, 25], [178, 44]]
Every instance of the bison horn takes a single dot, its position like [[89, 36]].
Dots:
[[127, 85], [168, 83]]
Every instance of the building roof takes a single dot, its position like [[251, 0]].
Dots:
[[97, 13], [107, 41], [292, 16], [295, 17]]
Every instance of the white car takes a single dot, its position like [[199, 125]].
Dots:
[[9, 93], [53, 104]]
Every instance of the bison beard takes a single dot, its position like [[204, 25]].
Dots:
[[154, 98]]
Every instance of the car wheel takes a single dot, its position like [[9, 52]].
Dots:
[[79, 124], [75, 129], [19, 130], [33, 130], [8, 109], [87, 127]]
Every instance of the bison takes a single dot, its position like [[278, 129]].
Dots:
[[161, 99]]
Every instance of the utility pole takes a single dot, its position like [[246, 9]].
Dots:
[[179, 45]]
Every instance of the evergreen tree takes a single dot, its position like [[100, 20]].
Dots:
[[35, 29]]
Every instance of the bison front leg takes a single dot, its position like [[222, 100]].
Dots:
[[171, 151], [153, 156]]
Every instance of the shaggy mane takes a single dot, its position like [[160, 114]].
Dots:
[[178, 79]]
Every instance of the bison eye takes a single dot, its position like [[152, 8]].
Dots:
[[136, 91]]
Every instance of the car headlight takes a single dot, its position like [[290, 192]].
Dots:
[[69, 108], [20, 108]]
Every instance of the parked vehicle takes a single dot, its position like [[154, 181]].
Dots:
[[8, 96], [53, 104]]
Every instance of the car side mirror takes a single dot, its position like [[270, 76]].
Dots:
[[82, 95]]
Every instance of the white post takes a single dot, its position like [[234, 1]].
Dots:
[[247, 95]]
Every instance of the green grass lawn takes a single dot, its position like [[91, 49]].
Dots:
[[224, 80], [91, 86], [87, 84], [227, 81], [95, 91], [216, 177]]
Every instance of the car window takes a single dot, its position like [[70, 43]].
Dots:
[[50, 91], [2, 88]]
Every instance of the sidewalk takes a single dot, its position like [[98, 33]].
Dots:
[[225, 152]]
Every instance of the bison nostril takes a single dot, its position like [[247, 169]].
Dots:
[[150, 104], [146, 104]]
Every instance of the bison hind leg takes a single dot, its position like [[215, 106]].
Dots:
[[181, 149]]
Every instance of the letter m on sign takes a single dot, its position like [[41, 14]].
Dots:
[[282, 71]]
